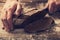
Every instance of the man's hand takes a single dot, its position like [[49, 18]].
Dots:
[[10, 8]]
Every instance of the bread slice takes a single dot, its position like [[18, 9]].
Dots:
[[28, 18], [39, 25]]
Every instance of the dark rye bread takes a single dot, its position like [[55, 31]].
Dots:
[[28, 18], [39, 25]]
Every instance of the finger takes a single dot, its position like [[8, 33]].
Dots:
[[9, 19], [18, 10], [5, 24], [4, 19], [52, 6], [12, 8], [9, 16]]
